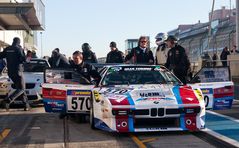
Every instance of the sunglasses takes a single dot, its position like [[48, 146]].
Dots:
[[143, 41]]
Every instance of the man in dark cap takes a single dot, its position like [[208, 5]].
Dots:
[[15, 57], [177, 60], [114, 56], [88, 55]]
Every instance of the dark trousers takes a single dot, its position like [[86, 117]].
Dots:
[[19, 83]]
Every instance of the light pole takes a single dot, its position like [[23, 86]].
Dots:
[[41, 46], [237, 23]]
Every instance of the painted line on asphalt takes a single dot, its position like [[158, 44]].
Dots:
[[4, 134], [224, 116], [137, 141], [221, 137], [149, 140]]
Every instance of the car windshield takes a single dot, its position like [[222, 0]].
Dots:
[[147, 76], [35, 66]]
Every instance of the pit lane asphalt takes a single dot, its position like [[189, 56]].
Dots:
[[39, 129]]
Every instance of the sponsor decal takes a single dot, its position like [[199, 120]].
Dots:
[[156, 128], [151, 94], [116, 90], [156, 102], [198, 94], [96, 95], [138, 69], [78, 93], [206, 91], [115, 69], [55, 104], [154, 99]]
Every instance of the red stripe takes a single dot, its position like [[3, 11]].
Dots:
[[223, 95], [190, 122], [188, 96]]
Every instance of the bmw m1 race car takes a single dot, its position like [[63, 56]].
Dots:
[[216, 86], [129, 98]]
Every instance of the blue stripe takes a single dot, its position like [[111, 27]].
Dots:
[[177, 94], [223, 126], [131, 101], [179, 100], [182, 122], [130, 117], [131, 123]]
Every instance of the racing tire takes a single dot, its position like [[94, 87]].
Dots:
[[81, 118], [92, 123]]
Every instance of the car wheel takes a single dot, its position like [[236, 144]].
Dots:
[[81, 118], [92, 123]]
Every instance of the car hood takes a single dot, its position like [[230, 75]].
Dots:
[[141, 96], [30, 77]]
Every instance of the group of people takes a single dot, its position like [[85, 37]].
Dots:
[[225, 52], [169, 53]]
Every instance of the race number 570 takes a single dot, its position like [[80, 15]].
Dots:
[[79, 103]]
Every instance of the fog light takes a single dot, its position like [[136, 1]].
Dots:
[[124, 124], [188, 122]]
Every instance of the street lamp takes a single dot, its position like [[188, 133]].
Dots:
[[41, 46]]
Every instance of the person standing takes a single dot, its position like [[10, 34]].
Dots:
[[223, 56], [114, 56], [57, 60], [88, 55], [15, 57], [141, 54], [177, 60], [162, 50], [234, 50]]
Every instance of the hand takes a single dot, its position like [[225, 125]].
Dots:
[[126, 62]]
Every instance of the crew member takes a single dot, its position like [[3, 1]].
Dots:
[[177, 60], [85, 69], [15, 57], [114, 56]]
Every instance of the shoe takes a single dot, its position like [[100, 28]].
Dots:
[[27, 107]]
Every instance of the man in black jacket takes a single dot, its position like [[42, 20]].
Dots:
[[88, 55], [114, 56], [177, 60], [15, 57], [141, 54], [57, 60], [85, 69]]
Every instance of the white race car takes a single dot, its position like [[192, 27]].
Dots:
[[33, 74], [216, 86], [129, 98]]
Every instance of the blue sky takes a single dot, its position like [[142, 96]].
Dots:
[[70, 23]]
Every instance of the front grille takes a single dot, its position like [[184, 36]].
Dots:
[[156, 122], [191, 110], [141, 112], [28, 86]]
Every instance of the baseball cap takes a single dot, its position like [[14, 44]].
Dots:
[[112, 44], [171, 38]]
